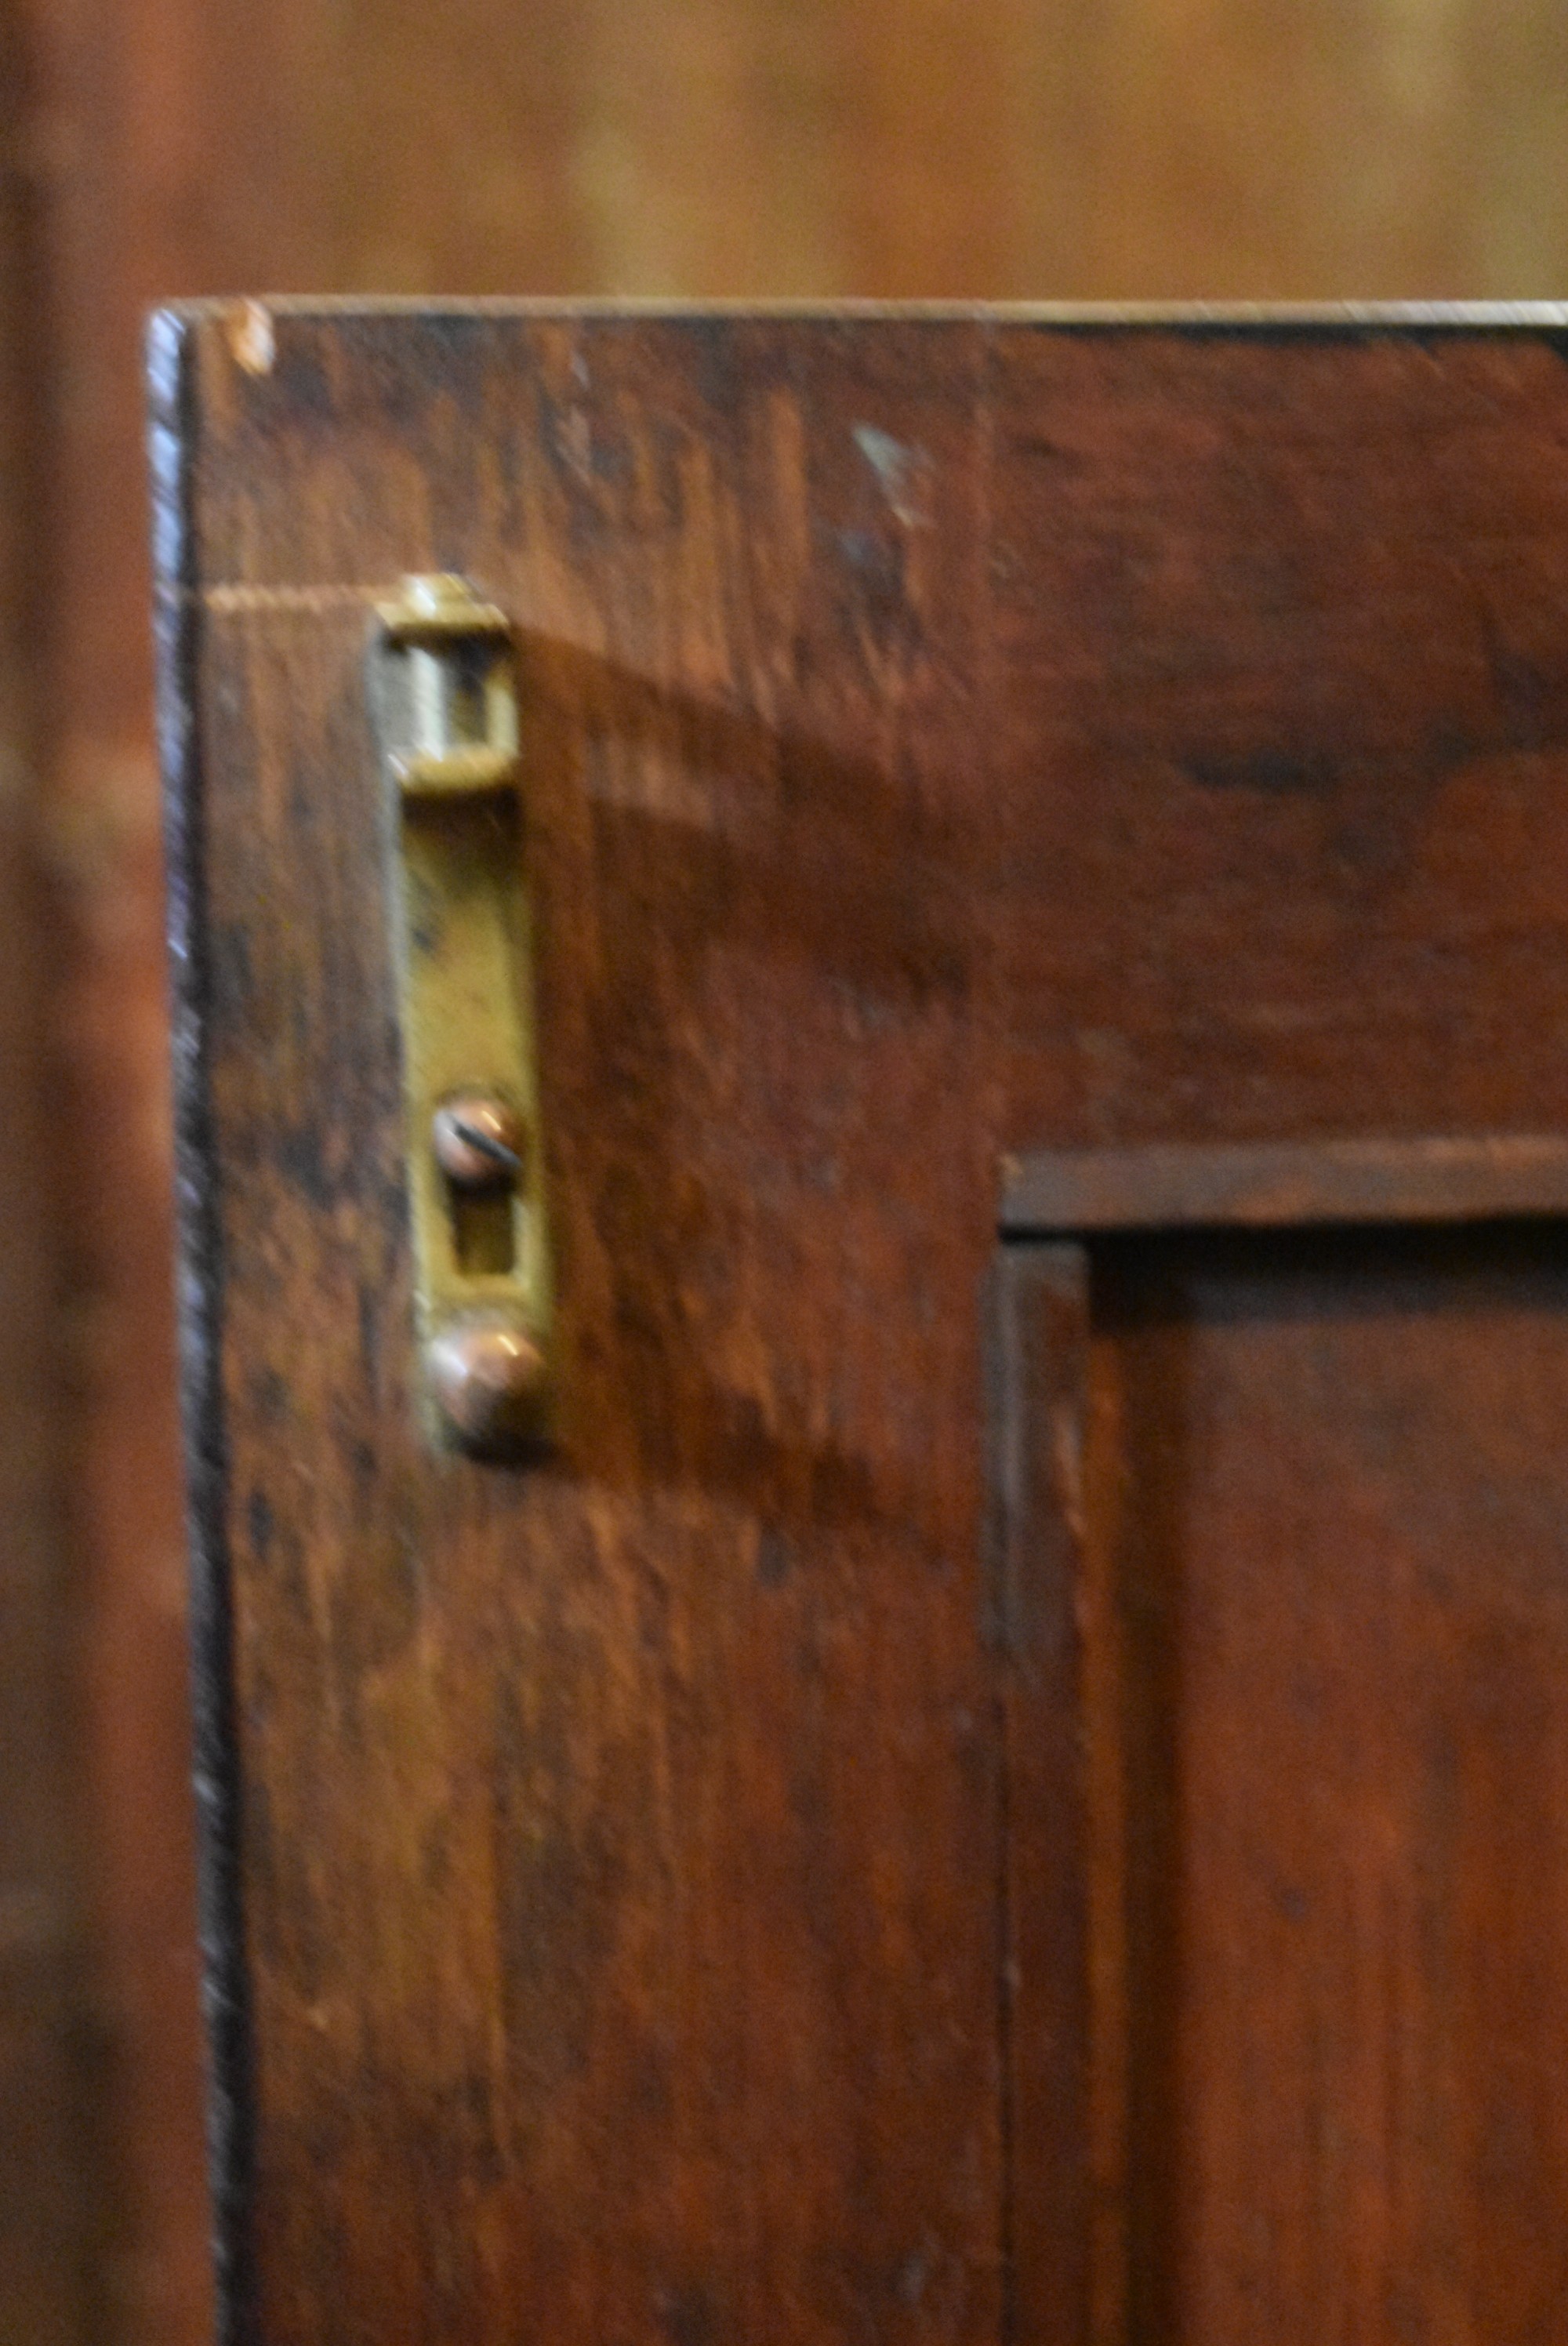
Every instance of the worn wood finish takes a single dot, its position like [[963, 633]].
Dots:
[[1165, 1186], [1280, 670], [1319, 1587], [1284, 1602], [570, 1854], [831, 147], [1061, 2198], [948, 736]]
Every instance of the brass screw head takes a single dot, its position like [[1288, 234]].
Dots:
[[488, 1378], [478, 1140]]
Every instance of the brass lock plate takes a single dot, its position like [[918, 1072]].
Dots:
[[444, 692]]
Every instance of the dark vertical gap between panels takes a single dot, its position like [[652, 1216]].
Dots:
[[1142, 1323], [1002, 1429]]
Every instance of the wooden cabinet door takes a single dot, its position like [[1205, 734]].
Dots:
[[1001, 1775]]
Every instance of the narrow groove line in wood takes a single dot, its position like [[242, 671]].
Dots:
[[1168, 1185]]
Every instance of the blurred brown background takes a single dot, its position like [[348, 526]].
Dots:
[[150, 148]]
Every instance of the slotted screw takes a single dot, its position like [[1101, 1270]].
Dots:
[[478, 1139]]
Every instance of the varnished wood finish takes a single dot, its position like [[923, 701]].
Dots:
[[729, 147], [1061, 2183], [1318, 1586], [1285, 1676], [1166, 1186], [947, 737], [571, 1855]]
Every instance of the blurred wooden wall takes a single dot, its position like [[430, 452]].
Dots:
[[52, 2183], [150, 148]]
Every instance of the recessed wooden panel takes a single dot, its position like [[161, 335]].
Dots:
[[1322, 1597]]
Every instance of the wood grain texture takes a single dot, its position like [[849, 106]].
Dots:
[[1330, 1502], [1276, 1185], [1063, 2195], [1233, 601], [650, 1882], [824, 148], [947, 736]]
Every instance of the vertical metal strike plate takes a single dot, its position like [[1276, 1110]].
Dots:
[[444, 692]]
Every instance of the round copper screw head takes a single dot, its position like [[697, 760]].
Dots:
[[488, 1377], [478, 1140]]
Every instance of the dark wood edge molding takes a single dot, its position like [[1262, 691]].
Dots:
[[1256, 1184], [225, 1994]]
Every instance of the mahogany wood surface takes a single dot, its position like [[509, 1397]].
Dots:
[[722, 147], [1063, 2198], [1316, 1599], [947, 736]]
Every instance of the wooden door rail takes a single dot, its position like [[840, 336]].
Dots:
[[1165, 1186]]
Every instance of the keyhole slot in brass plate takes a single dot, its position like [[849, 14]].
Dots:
[[483, 1232]]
